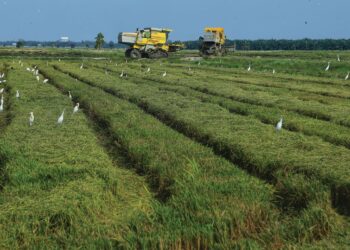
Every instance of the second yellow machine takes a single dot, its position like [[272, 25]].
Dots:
[[148, 42]]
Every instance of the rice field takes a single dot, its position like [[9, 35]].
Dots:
[[180, 153]]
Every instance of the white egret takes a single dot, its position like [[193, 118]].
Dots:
[[76, 108], [17, 94], [279, 125], [38, 78], [249, 68], [31, 118], [328, 66], [46, 81], [338, 58], [60, 119], [148, 70], [1, 106], [69, 95], [28, 69], [273, 71], [1, 90], [347, 76], [164, 74], [82, 66]]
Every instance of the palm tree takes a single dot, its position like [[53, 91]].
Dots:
[[100, 40]]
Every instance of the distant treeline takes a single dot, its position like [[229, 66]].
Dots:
[[59, 44], [282, 44], [271, 44]]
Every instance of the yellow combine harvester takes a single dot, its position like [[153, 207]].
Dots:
[[213, 42], [148, 42]]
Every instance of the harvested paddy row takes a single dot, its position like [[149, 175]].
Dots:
[[336, 113], [57, 195], [271, 153], [333, 133], [286, 66], [193, 184]]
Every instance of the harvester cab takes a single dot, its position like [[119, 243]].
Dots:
[[213, 42], [148, 42]]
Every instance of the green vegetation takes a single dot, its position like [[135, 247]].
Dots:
[[187, 161], [59, 187]]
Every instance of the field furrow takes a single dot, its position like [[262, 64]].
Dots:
[[231, 135], [333, 133], [62, 190], [203, 195]]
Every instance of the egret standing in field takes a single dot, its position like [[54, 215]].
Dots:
[[46, 81], [279, 125], [1, 90], [347, 76], [249, 68], [338, 58], [148, 70], [121, 74], [60, 119], [76, 108], [164, 74], [38, 78], [328, 66], [17, 94], [69, 95], [31, 118], [82, 66], [273, 71], [1, 105]]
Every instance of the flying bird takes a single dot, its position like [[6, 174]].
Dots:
[[328, 66], [31, 118], [60, 119], [76, 108], [279, 125]]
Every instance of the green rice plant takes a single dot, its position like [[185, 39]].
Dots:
[[232, 134], [330, 132], [59, 187], [207, 200]]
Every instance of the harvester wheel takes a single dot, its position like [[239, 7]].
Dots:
[[135, 54]]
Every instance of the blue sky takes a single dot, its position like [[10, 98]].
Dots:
[[242, 19]]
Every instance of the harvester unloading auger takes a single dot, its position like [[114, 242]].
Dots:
[[148, 42]]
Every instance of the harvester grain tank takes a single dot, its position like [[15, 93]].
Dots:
[[148, 42], [213, 42]]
